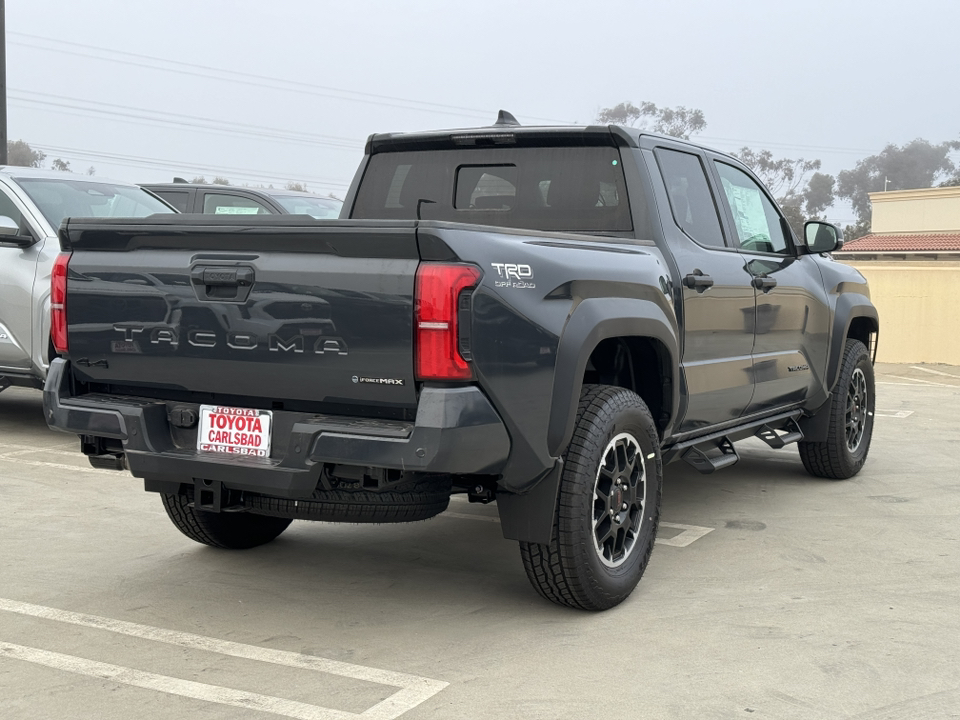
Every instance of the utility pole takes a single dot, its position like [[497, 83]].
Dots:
[[3, 83]]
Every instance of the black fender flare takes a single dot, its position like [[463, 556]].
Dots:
[[850, 306], [594, 320]]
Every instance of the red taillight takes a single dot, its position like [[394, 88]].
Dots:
[[437, 336], [58, 303]]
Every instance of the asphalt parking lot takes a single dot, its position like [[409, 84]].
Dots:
[[771, 594]]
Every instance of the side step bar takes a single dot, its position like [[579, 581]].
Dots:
[[698, 457], [715, 451], [791, 434]]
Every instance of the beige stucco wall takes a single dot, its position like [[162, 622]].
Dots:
[[919, 310], [916, 211]]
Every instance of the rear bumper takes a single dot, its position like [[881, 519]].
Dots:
[[456, 431]]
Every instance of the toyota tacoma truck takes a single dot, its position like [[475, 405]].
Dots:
[[543, 317]]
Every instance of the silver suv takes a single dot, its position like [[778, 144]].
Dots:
[[32, 205]]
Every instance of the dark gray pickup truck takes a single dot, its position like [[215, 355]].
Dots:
[[538, 316]]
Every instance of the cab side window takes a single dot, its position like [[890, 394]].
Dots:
[[180, 199], [756, 218], [217, 204], [691, 201]]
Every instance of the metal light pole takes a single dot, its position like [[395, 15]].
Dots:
[[3, 83]]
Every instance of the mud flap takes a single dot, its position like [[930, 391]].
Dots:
[[529, 517]]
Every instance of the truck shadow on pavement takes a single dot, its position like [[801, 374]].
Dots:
[[443, 565], [22, 408]]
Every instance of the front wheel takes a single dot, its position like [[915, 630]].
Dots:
[[851, 409], [609, 505]]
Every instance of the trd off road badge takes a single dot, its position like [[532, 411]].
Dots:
[[513, 275]]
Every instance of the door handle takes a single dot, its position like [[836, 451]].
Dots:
[[764, 283], [698, 281]]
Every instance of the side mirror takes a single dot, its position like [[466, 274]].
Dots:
[[8, 227], [10, 235], [822, 237]]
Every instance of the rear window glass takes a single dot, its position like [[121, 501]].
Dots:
[[58, 199], [575, 189]]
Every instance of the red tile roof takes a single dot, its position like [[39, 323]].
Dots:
[[940, 242]]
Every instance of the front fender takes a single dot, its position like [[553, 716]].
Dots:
[[595, 320], [849, 307]]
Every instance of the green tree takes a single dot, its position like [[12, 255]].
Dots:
[[199, 180], [677, 122], [219, 180], [296, 186], [22, 155], [918, 164], [62, 165], [802, 192]]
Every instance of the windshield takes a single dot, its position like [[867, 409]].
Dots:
[[320, 208], [58, 199]]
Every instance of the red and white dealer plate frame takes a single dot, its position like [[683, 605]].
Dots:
[[237, 431]]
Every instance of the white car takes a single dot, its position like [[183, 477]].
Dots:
[[32, 205]]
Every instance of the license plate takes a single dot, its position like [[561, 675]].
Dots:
[[238, 431]]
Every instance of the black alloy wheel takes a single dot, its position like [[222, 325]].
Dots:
[[608, 507], [850, 413]]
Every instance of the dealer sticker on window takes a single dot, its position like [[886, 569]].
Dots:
[[239, 431]]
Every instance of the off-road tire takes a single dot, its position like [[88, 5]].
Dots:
[[228, 530], [419, 499], [833, 458], [569, 570]]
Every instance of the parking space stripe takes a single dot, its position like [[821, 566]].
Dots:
[[468, 516], [935, 372], [690, 534], [171, 685], [414, 688], [918, 381], [11, 457]]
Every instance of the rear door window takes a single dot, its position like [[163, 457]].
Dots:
[[222, 204], [574, 189], [180, 199], [691, 200]]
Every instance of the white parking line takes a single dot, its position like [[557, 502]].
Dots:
[[914, 380], [12, 457], [171, 685], [690, 533], [468, 516], [414, 689], [893, 413], [935, 372]]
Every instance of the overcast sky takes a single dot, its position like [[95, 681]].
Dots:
[[288, 90]]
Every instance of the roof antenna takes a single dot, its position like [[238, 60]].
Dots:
[[507, 119]]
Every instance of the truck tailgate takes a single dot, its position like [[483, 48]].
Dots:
[[273, 309]]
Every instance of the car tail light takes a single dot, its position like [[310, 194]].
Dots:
[[439, 286], [58, 303]]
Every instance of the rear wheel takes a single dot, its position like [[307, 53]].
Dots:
[[609, 505], [230, 530], [851, 409]]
